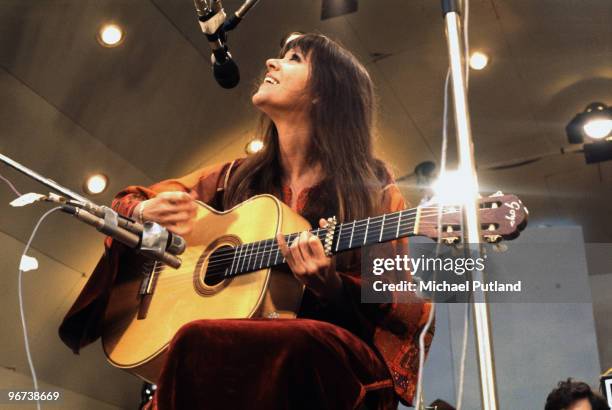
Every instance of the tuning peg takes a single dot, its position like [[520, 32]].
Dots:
[[492, 238], [451, 240], [498, 193]]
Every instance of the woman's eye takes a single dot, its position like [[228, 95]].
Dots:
[[295, 57]]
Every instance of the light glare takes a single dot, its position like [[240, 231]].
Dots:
[[28, 263], [598, 129], [254, 146], [96, 184], [111, 35], [454, 188], [479, 60]]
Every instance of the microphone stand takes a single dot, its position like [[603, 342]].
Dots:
[[151, 239], [471, 235]]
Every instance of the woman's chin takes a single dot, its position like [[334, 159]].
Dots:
[[261, 101], [258, 99]]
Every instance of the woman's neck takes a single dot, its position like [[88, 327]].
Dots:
[[294, 137]]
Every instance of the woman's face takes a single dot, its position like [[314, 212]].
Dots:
[[285, 86]]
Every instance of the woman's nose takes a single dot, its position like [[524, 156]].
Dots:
[[272, 64]]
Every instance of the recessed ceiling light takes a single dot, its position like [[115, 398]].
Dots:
[[479, 60], [254, 146], [110, 35], [96, 184], [598, 128], [594, 123]]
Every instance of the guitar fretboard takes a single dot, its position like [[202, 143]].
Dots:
[[258, 255]]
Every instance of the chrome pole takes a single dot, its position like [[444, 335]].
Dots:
[[471, 233]]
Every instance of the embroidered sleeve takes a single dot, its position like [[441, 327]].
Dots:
[[202, 184]]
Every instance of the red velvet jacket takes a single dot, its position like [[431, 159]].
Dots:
[[391, 329]]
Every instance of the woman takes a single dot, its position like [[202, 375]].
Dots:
[[317, 102]]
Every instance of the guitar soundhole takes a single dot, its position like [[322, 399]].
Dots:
[[219, 264]]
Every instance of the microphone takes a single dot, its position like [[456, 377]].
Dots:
[[215, 25]]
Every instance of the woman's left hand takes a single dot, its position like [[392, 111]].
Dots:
[[309, 264]]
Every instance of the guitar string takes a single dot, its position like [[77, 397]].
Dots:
[[179, 277], [173, 274], [193, 275], [211, 273], [355, 224], [372, 220], [272, 248], [231, 252]]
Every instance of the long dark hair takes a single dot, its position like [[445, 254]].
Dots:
[[342, 123]]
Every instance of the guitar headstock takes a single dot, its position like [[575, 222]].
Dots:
[[501, 217]]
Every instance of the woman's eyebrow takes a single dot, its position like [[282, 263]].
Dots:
[[294, 51]]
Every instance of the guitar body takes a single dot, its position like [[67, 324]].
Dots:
[[137, 330]]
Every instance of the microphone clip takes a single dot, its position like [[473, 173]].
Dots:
[[211, 17]]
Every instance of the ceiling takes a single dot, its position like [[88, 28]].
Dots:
[[150, 109]]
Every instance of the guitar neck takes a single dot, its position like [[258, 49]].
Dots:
[[254, 256], [500, 216]]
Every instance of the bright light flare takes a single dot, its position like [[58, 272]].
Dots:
[[96, 184], [454, 188], [598, 128], [479, 60], [254, 146], [28, 263], [111, 35]]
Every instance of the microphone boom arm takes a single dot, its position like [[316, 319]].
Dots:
[[150, 238]]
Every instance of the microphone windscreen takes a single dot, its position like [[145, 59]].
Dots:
[[227, 73]]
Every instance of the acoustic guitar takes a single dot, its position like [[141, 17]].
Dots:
[[227, 269]]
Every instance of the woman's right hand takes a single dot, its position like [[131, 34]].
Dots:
[[174, 211]]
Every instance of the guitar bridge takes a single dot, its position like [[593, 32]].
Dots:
[[147, 287]]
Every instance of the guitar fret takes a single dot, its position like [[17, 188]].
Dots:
[[238, 260], [269, 251], [352, 233], [263, 253], [365, 237], [260, 249], [390, 229], [237, 267], [358, 228], [382, 228], [339, 237], [246, 251], [277, 253], [249, 255], [233, 262], [404, 224], [399, 220], [256, 255]]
